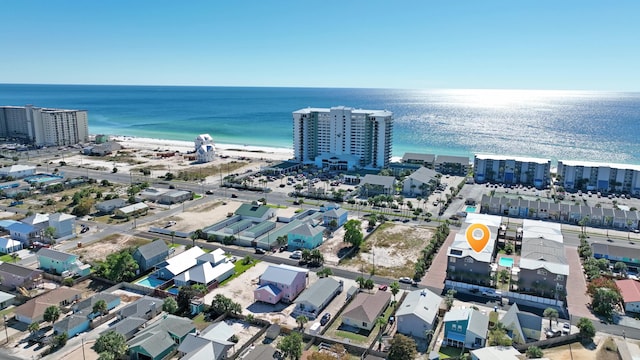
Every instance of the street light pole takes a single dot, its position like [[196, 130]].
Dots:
[[6, 331], [83, 357]]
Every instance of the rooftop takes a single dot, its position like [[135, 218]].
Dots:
[[513, 158]]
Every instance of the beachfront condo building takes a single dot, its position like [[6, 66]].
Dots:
[[512, 170], [343, 138], [44, 127], [604, 177]]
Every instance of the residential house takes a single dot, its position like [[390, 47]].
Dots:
[[464, 263], [465, 327], [17, 171], [33, 310], [137, 209], [337, 214], [280, 283], [146, 308], [372, 185], [365, 308], [314, 299], [421, 182], [23, 232], [64, 225], [496, 353], [205, 274], [522, 327], [152, 194], [215, 257], [255, 212], [305, 236], [6, 300], [8, 245], [83, 314], [544, 267], [109, 206], [18, 276], [418, 313], [58, 262], [176, 265], [211, 344], [452, 165], [259, 352], [149, 255], [630, 291], [615, 252], [126, 327], [39, 221], [158, 340]]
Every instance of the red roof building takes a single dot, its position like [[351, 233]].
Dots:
[[630, 290]]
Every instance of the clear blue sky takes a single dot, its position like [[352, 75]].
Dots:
[[510, 44]]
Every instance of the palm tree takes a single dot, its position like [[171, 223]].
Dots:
[[395, 288], [51, 314], [33, 328], [361, 281], [100, 307], [301, 320], [551, 313]]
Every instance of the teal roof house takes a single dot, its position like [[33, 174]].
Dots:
[[466, 328], [58, 262], [305, 236], [337, 214]]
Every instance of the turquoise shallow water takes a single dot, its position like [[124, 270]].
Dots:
[[595, 126]]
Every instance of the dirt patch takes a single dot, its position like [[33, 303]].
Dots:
[[200, 217], [108, 245], [579, 351], [391, 250]]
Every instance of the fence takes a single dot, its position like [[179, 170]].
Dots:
[[549, 343], [532, 300], [180, 234]]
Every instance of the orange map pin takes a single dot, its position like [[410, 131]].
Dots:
[[478, 236]]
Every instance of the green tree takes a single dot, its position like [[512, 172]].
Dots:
[[52, 314], [291, 346], [333, 224], [33, 328], [498, 336], [395, 289], [534, 352], [100, 307], [111, 342], [117, 267], [361, 281], [587, 330], [448, 300], [185, 295], [224, 305], [620, 267], [324, 272], [402, 348], [84, 207], [170, 305], [550, 313], [106, 356], [301, 320], [373, 219], [352, 234], [604, 301]]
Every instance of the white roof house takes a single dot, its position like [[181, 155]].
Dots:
[[542, 229], [496, 353], [206, 153], [18, 171], [417, 313], [181, 262], [205, 274], [132, 209], [8, 245]]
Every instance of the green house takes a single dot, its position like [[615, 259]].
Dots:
[[305, 236]]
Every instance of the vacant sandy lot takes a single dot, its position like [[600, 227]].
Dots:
[[200, 217], [100, 249]]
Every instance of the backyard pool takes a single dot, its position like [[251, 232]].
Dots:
[[149, 281], [174, 290], [505, 261], [470, 209]]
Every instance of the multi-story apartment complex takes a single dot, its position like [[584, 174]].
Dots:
[[512, 170], [343, 138], [606, 177], [44, 127]]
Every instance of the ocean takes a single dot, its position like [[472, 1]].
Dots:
[[571, 125]]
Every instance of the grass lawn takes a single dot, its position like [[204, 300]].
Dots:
[[447, 352], [200, 322], [240, 268], [356, 338], [8, 258]]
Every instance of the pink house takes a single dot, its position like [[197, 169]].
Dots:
[[280, 283]]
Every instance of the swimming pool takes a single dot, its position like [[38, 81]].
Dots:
[[149, 281], [174, 290], [470, 209], [505, 261]]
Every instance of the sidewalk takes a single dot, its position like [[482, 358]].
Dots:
[[437, 273]]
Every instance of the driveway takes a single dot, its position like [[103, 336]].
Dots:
[[577, 298], [434, 279]]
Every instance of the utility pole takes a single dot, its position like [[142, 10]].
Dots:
[[83, 357]]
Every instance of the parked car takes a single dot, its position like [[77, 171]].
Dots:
[[234, 196], [325, 319], [383, 287], [492, 293], [553, 333], [566, 328], [407, 280], [260, 251], [296, 255]]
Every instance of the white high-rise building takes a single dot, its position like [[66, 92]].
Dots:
[[512, 170], [44, 127], [605, 177], [343, 138]]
